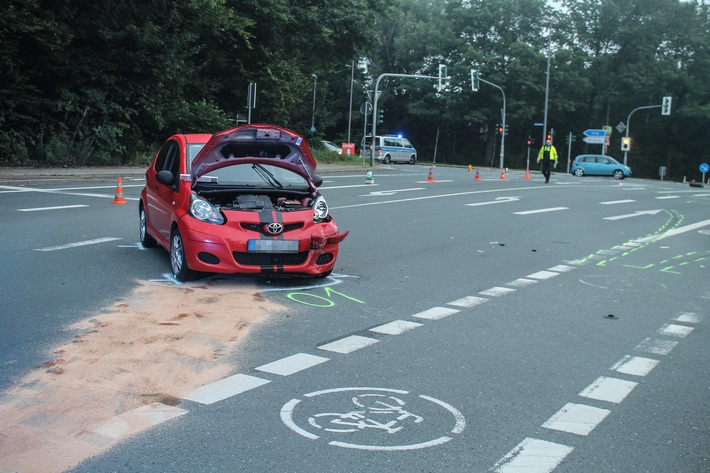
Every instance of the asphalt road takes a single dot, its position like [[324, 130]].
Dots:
[[469, 326]]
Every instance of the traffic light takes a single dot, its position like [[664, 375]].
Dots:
[[475, 80], [380, 116], [499, 128], [529, 141], [666, 105], [625, 143], [506, 129], [548, 137]]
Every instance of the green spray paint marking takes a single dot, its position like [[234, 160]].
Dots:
[[673, 221], [319, 301]]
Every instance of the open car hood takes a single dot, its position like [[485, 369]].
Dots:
[[264, 143]]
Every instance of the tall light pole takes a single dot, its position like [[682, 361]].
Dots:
[[313, 119]]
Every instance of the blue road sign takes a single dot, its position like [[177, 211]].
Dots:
[[704, 167], [594, 133]]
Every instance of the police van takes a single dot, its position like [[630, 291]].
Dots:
[[389, 149]]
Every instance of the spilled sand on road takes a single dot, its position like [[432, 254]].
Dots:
[[155, 346]]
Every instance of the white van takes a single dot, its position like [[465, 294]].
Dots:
[[390, 149]]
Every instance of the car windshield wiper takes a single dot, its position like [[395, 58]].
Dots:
[[267, 176]]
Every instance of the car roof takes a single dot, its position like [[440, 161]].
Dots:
[[268, 144]]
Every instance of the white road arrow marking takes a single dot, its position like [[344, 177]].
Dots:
[[635, 214], [499, 200]]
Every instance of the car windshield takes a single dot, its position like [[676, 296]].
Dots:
[[256, 175]]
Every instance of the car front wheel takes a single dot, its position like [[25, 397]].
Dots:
[[412, 159], [618, 174], [178, 260], [146, 240], [579, 172], [386, 160]]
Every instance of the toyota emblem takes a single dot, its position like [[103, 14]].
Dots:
[[274, 228]]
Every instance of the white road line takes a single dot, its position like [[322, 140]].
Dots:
[[613, 202], [608, 389], [561, 268], [656, 346], [635, 365], [468, 301], [292, 364], [542, 275], [59, 207], [436, 313], [521, 282], [688, 317], [533, 456], [225, 388], [131, 422], [577, 419], [667, 197], [78, 243], [539, 211], [348, 344], [674, 330], [497, 291], [396, 327]]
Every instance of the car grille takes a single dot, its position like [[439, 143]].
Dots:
[[259, 227], [270, 259], [325, 258]]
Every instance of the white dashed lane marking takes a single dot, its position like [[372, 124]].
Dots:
[[673, 330], [497, 291], [543, 275], [348, 344], [292, 364], [436, 313], [635, 365], [533, 456], [577, 419], [225, 388], [396, 327], [609, 389], [468, 302], [657, 346]]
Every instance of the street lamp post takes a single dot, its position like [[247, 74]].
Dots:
[[313, 119]]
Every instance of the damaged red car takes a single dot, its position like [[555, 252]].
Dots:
[[244, 200]]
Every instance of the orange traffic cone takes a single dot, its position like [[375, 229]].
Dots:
[[477, 177], [118, 199], [431, 175], [527, 174], [502, 175]]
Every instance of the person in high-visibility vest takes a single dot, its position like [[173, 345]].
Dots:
[[547, 157]]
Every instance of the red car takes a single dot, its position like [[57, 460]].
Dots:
[[244, 200]]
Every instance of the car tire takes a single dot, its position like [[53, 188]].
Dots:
[[146, 240], [386, 159], [323, 275], [579, 172], [178, 260], [618, 174], [412, 159]]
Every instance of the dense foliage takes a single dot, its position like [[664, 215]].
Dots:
[[102, 82]]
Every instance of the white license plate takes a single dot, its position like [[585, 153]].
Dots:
[[272, 246]]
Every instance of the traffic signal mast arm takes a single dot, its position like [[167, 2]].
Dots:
[[374, 106], [502, 138], [628, 123]]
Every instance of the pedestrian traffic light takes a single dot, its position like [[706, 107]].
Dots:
[[625, 143]]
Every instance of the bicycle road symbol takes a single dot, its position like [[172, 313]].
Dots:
[[373, 418], [369, 416]]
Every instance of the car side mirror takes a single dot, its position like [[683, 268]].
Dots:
[[317, 180], [166, 178]]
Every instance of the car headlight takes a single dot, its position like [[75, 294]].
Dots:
[[204, 211], [320, 209]]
